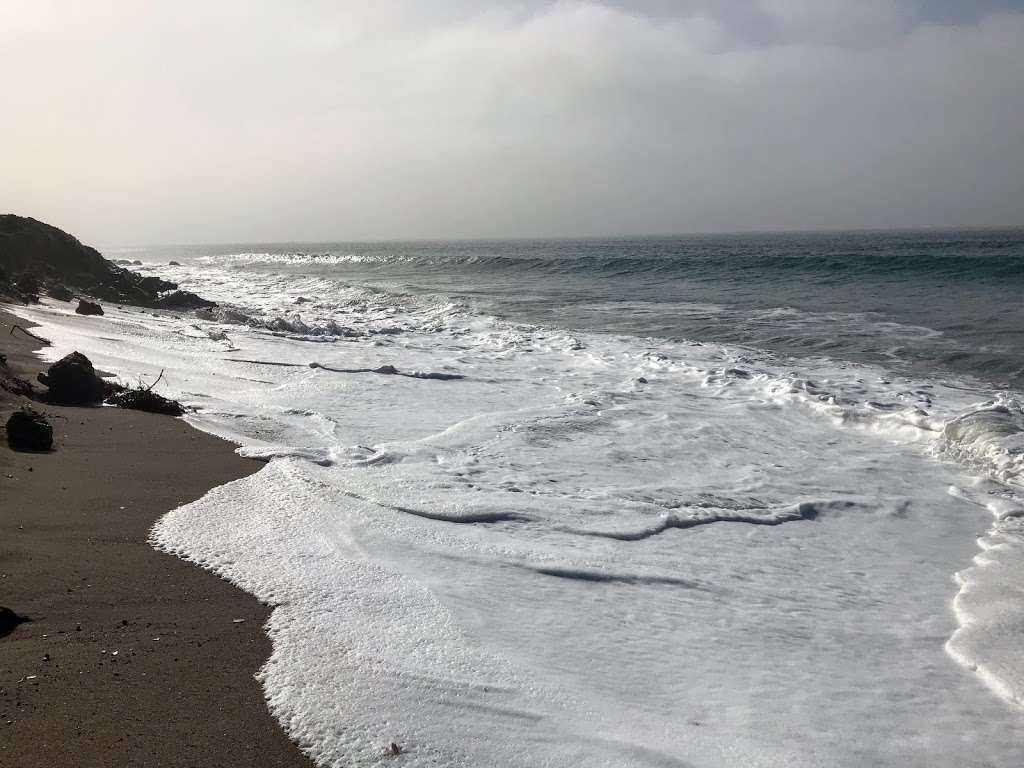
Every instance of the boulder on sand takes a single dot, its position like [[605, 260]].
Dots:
[[73, 381], [88, 308], [28, 430], [9, 620]]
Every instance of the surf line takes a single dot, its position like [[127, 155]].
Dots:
[[384, 370]]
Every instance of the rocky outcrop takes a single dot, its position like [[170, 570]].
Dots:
[[73, 381], [184, 300], [155, 285], [34, 256], [28, 430], [28, 246]]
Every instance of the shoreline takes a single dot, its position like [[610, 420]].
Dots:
[[132, 657]]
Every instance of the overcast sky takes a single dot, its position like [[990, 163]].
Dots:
[[129, 122]]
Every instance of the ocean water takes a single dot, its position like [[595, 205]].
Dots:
[[751, 500]]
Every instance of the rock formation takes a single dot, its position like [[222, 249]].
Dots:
[[73, 381], [28, 430], [34, 256]]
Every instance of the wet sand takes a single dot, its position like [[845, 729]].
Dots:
[[132, 657]]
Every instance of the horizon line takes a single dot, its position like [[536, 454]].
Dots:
[[582, 238]]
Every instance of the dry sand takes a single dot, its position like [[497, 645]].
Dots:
[[133, 657]]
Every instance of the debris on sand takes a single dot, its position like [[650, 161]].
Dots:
[[143, 398], [14, 384], [146, 400]]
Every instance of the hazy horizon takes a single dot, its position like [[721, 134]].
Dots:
[[938, 229], [254, 122]]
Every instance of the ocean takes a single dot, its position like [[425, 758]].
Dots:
[[737, 500]]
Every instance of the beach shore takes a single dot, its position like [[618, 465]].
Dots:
[[132, 657]]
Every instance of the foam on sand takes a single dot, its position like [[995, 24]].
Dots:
[[990, 604], [739, 560]]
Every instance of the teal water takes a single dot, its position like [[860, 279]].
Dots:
[[931, 301]]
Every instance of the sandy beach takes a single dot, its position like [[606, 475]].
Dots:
[[132, 657]]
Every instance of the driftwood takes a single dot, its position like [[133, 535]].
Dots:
[[27, 333], [150, 387], [384, 370]]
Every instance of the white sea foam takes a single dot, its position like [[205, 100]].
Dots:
[[591, 550], [990, 605]]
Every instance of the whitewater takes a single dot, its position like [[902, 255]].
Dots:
[[526, 505]]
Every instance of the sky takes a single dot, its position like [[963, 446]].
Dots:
[[232, 121]]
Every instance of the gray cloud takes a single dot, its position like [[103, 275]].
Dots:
[[322, 120]]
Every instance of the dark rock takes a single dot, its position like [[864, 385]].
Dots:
[[145, 400], [9, 620], [30, 245], [28, 430], [184, 300], [154, 285], [173, 264], [59, 292], [88, 308], [641, 380], [73, 381], [51, 256]]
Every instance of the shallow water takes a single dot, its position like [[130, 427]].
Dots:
[[667, 515]]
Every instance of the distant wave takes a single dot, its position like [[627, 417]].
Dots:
[[980, 264]]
